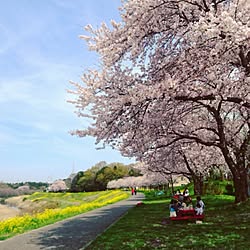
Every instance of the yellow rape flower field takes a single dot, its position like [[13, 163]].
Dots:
[[54, 207]]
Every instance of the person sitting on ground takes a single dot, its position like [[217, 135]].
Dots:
[[200, 206], [186, 192], [180, 198], [186, 197], [173, 208], [184, 205], [181, 202], [178, 192]]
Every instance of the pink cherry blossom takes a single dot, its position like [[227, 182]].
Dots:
[[172, 73]]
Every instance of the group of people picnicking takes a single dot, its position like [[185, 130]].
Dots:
[[182, 200]]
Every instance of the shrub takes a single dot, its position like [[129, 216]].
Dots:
[[229, 189], [213, 187]]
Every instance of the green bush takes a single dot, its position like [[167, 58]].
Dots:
[[214, 188], [155, 194], [229, 189]]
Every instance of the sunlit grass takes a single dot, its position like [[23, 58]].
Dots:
[[27, 222], [226, 226]]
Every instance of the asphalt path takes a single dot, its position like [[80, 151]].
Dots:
[[74, 233]]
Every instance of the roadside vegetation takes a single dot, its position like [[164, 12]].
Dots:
[[226, 226], [48, 208]]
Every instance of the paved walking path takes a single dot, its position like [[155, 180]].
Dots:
[[74, 233]]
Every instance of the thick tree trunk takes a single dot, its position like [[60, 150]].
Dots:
[[198, 184], [240, 177], [236, 164], [248, 180], [248, 168], [241, 185], [239, 171]]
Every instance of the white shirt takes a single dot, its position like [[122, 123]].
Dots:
[[200, 210]]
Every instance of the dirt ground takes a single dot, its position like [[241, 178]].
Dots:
[[7, 212], [14, 206], [18, 206]]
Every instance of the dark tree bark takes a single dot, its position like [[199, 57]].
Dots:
[[198, 184]]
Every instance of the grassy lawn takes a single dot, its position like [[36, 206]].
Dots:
[[226, 226]]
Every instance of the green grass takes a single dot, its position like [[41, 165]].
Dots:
[[63, 200], [226, 226]]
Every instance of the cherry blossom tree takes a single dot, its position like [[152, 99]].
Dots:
[[191, 160], [177, 69], [147, 180], [199, 161], [58, 186]]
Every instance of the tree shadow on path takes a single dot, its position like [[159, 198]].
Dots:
[[81, 230]]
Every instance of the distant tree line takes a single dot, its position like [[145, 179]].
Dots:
[[21, 188], [31, 184], [97, 177]]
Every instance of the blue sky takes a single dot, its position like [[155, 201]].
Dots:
[[40, 52]]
